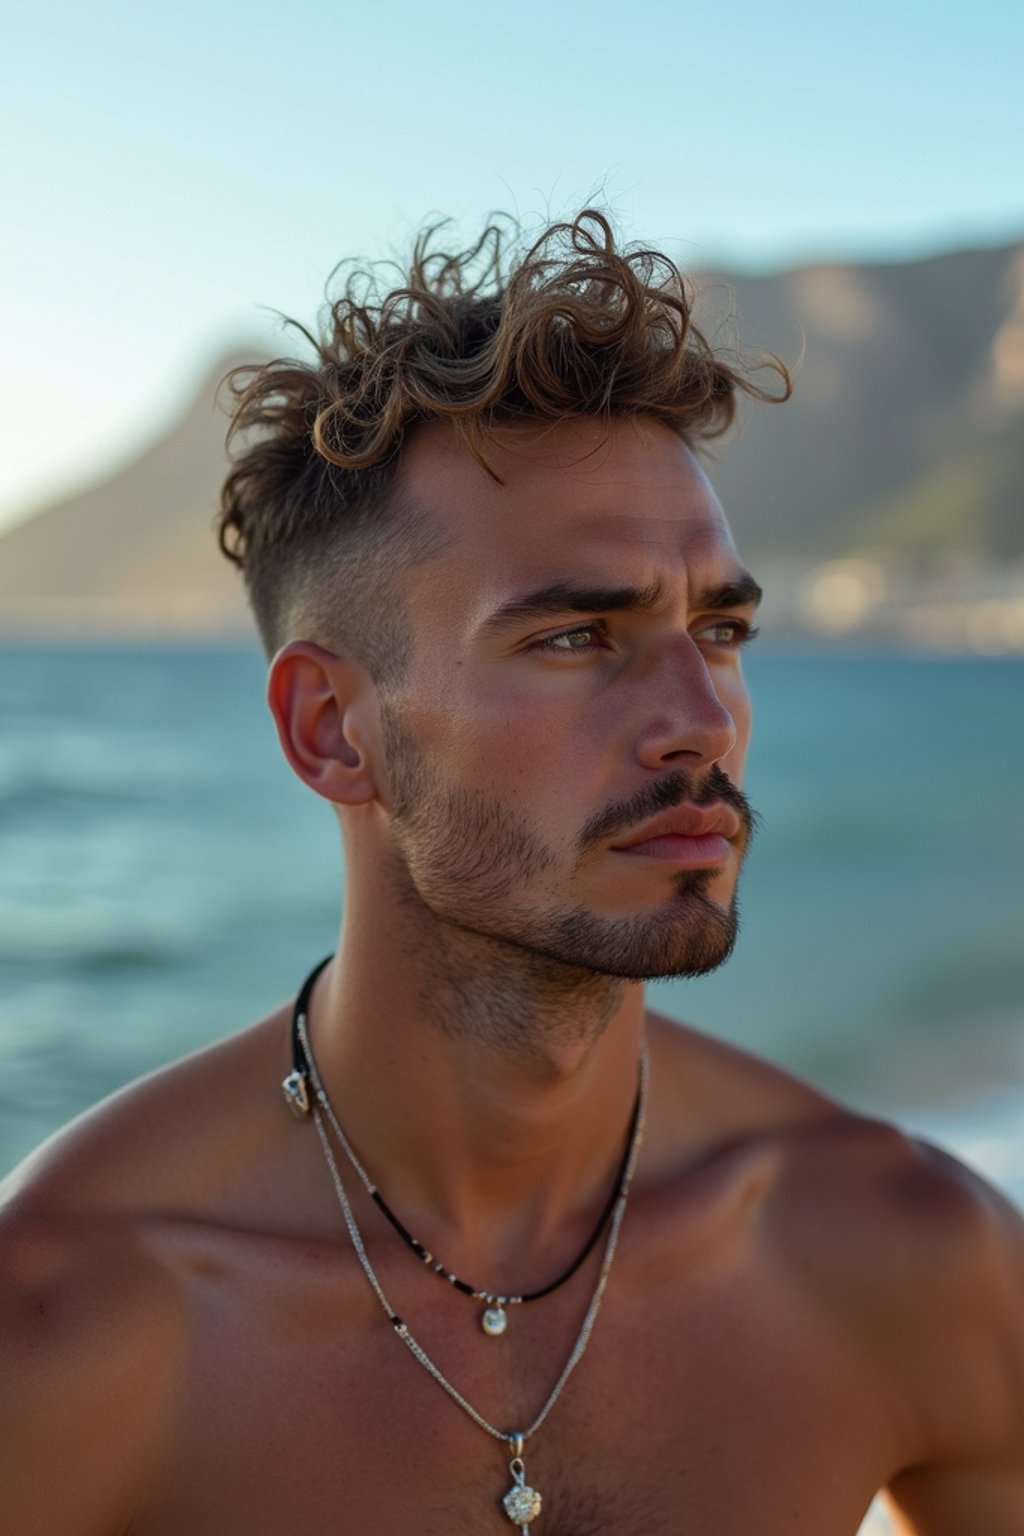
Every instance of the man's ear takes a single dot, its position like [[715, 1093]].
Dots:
[[325, 710]]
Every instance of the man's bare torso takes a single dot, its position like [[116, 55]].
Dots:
[[196, 1349]]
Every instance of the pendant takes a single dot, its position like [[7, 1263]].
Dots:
[[295, 1095], [494, 1320], [522, 1503]]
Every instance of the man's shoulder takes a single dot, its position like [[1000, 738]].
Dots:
[[893, 1242], [87, 1334], [73, 1285], [147, 1145], [168, 1149], [92, 1305], [890, 1212], [885, 1199], [918, 1262]]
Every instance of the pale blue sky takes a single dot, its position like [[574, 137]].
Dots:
[[167, 171]]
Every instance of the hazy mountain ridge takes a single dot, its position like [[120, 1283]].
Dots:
[[903, 441], [134, 553], [912, 378]]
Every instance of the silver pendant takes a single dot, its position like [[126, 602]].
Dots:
[[522, 1503], [494, 1320], [295, 1095]]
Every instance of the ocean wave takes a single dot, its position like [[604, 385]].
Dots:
[[104, 957]]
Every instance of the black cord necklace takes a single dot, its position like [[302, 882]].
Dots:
[[296, 1089]]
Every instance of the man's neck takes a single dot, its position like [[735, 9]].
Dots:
[[488, 1091]]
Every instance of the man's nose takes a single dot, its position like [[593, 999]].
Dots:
[[685, 724]]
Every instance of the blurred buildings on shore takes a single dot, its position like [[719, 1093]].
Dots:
[[959, 605]]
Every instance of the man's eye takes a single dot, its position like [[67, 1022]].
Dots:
[[729, 632], [584, 638]]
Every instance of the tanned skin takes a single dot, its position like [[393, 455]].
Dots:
[[806, 1305]]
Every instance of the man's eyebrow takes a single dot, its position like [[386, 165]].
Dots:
[[571, 597], [741, 591], [566, 596]]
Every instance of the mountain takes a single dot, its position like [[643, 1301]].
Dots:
[[135, 554], [904, 434], [903, 441]]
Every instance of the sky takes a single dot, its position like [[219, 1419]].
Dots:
[[173, 174]]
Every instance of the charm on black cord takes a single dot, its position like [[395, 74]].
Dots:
[[296, 1094], [494, 1319]]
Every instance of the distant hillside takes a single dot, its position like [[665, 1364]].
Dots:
[[904, 438], [905, 430], [134, 554]]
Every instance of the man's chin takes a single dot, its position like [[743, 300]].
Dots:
[[685, 938], [698, 956], [692, 934]]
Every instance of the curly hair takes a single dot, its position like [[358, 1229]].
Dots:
[[313, 509]]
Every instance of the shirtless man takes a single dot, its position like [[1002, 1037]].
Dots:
[[506, 616]]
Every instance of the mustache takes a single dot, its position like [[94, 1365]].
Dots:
[[676, 788]]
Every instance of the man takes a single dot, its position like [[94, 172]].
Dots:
[[525, 1256]]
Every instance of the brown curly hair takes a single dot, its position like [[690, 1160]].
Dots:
[[313, 509]]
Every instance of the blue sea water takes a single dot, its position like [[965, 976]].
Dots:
[[164, 879]]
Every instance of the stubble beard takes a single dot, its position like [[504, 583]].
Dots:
[[465, 860]]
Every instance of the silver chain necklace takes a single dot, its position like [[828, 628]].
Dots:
[[494, 1318], [521, 1503]]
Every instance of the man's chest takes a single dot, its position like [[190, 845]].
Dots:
[[716, 1408]]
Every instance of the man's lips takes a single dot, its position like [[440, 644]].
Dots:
[[693, 835]]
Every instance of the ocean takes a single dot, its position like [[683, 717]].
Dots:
[[164, 879]]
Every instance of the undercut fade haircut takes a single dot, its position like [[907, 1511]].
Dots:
[[314, 510]]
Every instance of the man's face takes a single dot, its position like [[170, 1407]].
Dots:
[[566, 752]]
